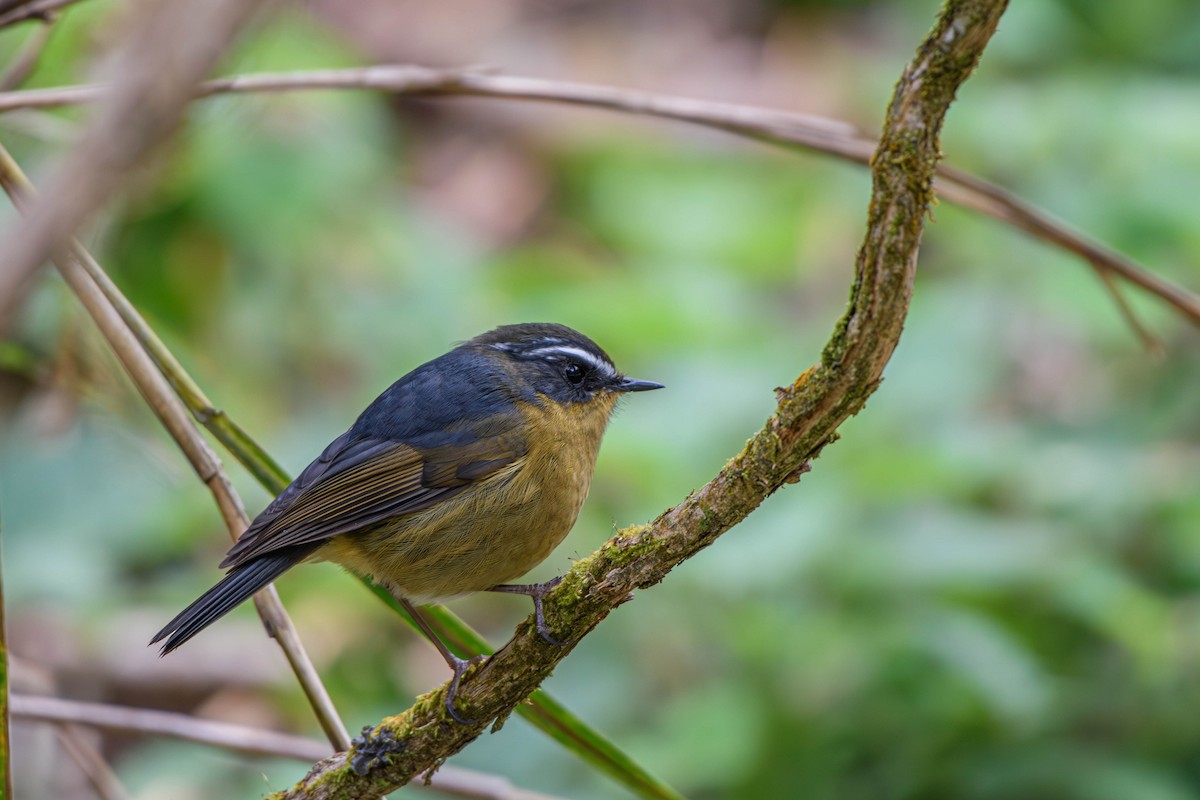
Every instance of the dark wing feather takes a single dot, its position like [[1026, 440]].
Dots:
[[232, 590], [358, 482]]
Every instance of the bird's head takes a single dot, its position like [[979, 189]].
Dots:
[[559, 363]]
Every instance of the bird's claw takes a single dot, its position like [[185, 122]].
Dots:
[[536, 591], [540, 618], [460, 667]]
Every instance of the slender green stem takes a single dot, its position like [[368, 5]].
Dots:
[[239, 443]]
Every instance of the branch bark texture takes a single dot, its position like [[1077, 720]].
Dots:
[[807, 418]]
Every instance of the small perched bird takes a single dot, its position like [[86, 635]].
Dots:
[[463, 475]]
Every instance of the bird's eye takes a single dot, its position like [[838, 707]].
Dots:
[[574, 373]]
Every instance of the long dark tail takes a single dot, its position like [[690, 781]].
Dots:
[[241, 582]]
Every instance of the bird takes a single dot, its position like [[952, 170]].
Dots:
[[460, 477]]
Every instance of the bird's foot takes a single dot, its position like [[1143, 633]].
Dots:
[[536, 591], [460, 667]]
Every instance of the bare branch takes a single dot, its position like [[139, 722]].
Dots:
[[200, 455], [250, 741], [785, 129], [14, 11], [151, 722], [93, 765], [807, 418], [161, 62]]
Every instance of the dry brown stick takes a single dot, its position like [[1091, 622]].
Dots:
[[786, 129], [169, 50], [99, 774], [178, 422], [452, 781], [23, 10], [152, 722], [175, 418], [806, 419]]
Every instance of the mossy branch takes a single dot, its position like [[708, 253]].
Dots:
[[808, 415]]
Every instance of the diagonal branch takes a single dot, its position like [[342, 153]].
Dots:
[[784, 129], [91, 763], [807, 418], [174, 417], [152, 722], [454, 781]]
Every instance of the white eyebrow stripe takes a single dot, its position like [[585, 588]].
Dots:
[[582, 355]]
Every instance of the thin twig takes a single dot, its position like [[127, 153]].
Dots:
[[786, 129], [200, 455], [256, 742], [91, 763], [247, 451], [151, 722], [1152, 343], [806, 419], [14, 11]]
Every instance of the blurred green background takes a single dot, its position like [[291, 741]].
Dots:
[[989, 588]]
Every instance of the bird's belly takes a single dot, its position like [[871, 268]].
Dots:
[[491, 533]]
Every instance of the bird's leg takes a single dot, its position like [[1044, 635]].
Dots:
[[459, 665], [537, 591]]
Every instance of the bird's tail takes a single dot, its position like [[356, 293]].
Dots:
[[241, 582]]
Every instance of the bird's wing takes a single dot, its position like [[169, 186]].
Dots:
[[358, 481]]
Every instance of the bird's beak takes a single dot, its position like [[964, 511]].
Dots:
[[634, 385]]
